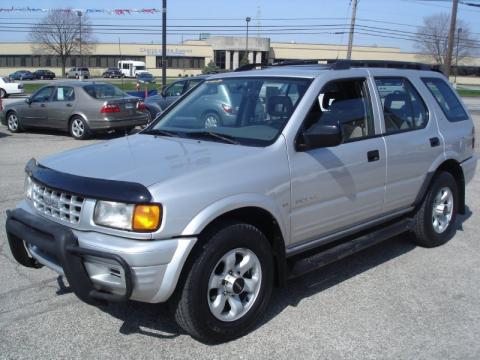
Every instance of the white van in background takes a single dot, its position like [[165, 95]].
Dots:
[[131, 68]]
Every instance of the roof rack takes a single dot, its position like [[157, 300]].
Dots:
[[341, 64]]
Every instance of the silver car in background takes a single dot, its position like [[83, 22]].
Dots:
[[77, 107]]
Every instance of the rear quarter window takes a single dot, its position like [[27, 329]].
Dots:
[[103, 91], [446, 99]]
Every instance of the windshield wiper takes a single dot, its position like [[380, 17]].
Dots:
[[213, 135], [160, 132]]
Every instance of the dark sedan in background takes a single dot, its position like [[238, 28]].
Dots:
[[157, 103], [21, 75], [77, 107], [44, 74], [112, 72]]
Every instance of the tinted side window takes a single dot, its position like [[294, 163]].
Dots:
[[43, 95], [347, 102], [175, 89], [446, 98], [64, 93], [403, 108], [193, 83]]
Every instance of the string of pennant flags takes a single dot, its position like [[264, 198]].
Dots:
[[87, 11]]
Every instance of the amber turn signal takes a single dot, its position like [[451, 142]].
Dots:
[[146, 217]]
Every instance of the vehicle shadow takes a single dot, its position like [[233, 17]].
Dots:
[[155, 320], [2, 134]]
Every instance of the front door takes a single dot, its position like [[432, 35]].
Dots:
[[336, 188], [35, 113]]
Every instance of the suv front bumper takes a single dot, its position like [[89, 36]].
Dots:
[[98, 267]]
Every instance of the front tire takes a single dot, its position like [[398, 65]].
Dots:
[[13, 123], [228, 285], [79, 128], [436, 217]]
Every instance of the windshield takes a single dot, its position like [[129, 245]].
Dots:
[[249, 111], [103, 91]]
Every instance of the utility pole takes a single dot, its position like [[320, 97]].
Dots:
[[352, 29], [164, 43], [247, 19], [459, 31], [79, 13], [451, 38]]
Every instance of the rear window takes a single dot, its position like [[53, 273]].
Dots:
[[6, 80], [446, 99], [103, 91], [83, 69]]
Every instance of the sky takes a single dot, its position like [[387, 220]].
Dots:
[[381, 16]]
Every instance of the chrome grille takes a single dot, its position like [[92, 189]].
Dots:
[[57, 204]]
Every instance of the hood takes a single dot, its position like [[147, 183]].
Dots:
[[145, 159]]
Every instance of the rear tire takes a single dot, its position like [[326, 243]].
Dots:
[[228, 286], [211, 120], [436, 217], [79, 129]]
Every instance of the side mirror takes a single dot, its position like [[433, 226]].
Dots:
[[28, 100], [322, 135]]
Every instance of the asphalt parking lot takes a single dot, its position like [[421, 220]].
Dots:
[[392, 301]]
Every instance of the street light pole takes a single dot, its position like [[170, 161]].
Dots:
[[459, 30], [164, 43], [247, 19]]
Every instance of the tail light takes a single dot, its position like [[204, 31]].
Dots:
[[110, 108], [141, 106], [227, 108]]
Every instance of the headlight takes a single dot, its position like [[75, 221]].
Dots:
[[127, 216], [28, 187]]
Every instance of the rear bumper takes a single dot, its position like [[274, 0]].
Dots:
[[98, 267], [468, 167], [16, 91], [105, 124]]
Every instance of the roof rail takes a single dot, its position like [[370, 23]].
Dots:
[[342, 64]]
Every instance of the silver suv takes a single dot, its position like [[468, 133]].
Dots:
[[322, 160], [77, 72]]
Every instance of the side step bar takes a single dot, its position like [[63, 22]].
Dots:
[[350, 247]]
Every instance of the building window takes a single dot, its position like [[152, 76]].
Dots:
[[219, 58], [182, 62]]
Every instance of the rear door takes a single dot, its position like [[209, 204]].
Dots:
[[411, 136], [61, 107], [35, 113]]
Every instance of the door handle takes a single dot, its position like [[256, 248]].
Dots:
[[42, 105], [434, 142], [69, 105], [373, 155]]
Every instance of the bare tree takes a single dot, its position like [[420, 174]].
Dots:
[[432, 40], [63, 33]]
